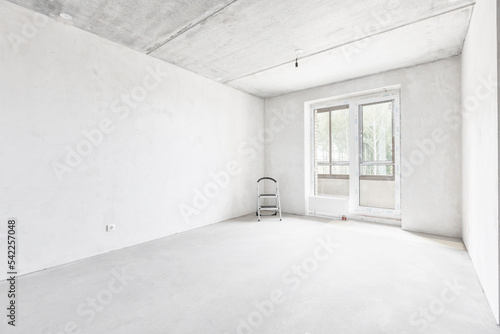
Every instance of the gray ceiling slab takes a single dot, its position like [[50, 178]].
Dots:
[[140, 25], [428, 40], [250, 44], [252, 36]]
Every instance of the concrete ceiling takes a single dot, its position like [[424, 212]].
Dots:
[[250, 44]]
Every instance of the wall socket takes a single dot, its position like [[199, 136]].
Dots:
[[110, 227]]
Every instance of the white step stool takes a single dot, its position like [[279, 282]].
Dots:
[[276, 195]]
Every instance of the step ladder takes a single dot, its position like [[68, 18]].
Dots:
[[262, 196]]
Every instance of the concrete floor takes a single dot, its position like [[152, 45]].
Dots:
[[301, 276]]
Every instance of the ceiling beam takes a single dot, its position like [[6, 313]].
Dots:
[[190, 26]]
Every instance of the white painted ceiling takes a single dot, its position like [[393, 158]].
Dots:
[[250, 44]]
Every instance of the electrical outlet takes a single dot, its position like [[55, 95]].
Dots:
[[110, 227]]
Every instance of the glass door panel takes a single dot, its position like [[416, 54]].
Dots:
[[377, 186]]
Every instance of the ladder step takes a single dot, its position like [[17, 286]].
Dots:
[[268, 195], [269, 207]]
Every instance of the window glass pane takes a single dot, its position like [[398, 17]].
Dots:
[[340, 135], [380, 170], [323, 137], [341, 170], [377, 132], [323, 169]]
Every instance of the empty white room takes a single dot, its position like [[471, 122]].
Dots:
[[249, 167]]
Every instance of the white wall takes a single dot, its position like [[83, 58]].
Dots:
[[430, 143], [60, 81], [480, 147]]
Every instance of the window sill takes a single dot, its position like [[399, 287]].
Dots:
[[337, 197]]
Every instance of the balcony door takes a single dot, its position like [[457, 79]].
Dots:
[[376, 178]]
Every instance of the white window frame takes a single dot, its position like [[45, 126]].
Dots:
[[329, 105], [331, 163], [355, 166], [354, 100]]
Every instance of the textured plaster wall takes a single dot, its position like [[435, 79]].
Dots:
[[430, 143], [93, 133], [480, 147]]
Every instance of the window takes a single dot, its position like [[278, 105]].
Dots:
[[332, 151], [377, 140], [332, 142], [356, 152]]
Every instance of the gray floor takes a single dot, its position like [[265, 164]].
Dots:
[[300, 276]]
